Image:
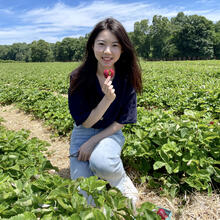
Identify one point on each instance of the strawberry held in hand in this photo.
(109, 73)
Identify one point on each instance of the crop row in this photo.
(168, 85)
(53, 110)
(43, 76)
(176, 152)
(29, 191)
(175, 142)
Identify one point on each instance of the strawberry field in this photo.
(174, 145)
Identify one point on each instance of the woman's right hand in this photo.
(108, 89)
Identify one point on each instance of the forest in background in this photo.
(184, 37)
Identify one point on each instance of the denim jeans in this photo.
(104, 162)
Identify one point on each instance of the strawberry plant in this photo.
(178, 152)
(175, 141)
(28, 191)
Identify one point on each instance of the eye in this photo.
(115, 45)
(100, 44)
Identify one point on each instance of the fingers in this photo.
(113, 91)
(83, 156)
(108, 87)
(108, 79)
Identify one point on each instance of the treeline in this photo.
(182, 37)
(70, 49)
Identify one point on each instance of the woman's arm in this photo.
(86, 149)
(97, 113)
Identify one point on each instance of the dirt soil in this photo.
(58, 151)
(190, 206)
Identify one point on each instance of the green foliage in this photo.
(217, 44)
(178, 152)
(141, 39)
(181, 85)
(41, 51)
(43, 105)
(70, 49)
(160, 33)
(28, 191)
(175, 142)
(194, 38)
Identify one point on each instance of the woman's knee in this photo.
(106, 167)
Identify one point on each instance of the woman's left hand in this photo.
(85, 150)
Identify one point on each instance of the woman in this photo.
(101, 106)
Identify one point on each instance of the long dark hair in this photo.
(127, 65)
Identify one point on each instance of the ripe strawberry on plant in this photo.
(109, 72)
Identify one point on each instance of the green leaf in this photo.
(3, 206)
(168, 168)
(158, 164)
(64, 205)
(87, 215)
(146, 205)
(98, 214)
(25, 215)
(24, 201)
(75, 216)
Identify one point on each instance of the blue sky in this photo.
(52, 20)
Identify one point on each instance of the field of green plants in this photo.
(174, 145)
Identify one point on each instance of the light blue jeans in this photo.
(104, 162)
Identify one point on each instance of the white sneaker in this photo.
(129, 190)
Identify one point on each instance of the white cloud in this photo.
(55, 23)
(213, 15)
(85, 15)
(5, 11)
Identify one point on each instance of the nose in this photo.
(107, 49)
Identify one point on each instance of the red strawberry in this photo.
(162, 213)
(112, 73)
(109, 73)
(211, 122)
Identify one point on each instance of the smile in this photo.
(107, 59)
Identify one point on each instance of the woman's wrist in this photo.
(93, 140)
(98, 112)
(108, 100)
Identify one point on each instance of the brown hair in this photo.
(127, 65)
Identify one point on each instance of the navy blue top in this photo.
(122, 110)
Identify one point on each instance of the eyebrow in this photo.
(112, 42)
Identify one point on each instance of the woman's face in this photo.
(107, 49)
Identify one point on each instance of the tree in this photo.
(4, 49)
(70, 49)
(160, 32)
(140, 38)
(193, 36)
(217, 40)
(217, 26)
(80, 47)
(41, 51)
(18, 51)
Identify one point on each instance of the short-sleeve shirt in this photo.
(122, 110)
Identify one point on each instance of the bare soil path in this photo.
(58, 151)
(196, 205)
